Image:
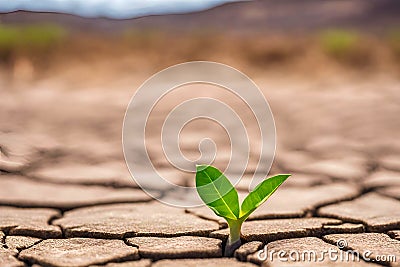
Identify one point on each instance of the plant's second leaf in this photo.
(261, 193)
(217, 192)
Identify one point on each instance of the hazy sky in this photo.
(110, 8)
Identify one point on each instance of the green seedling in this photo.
(221, 197)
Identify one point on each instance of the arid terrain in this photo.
(333, 85)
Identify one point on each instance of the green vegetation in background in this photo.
(347, 47)
(394, 42)
(29, 38)
(339, 44)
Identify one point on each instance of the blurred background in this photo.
(329, 69)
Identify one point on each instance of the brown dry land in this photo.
(67, 199)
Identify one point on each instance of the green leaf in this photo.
(260, 194)
(217, 192)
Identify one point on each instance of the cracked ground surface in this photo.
(67, 199)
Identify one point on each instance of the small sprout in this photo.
(221, 197)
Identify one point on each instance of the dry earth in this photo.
(67, 198)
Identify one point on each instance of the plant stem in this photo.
(234, 230)
(234, 241)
